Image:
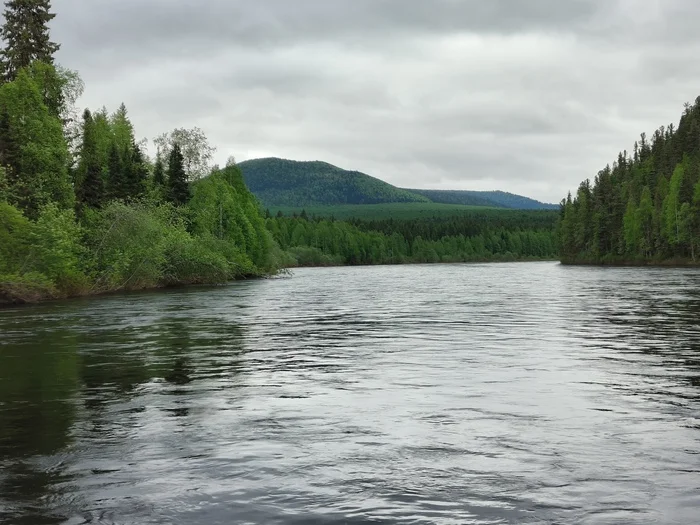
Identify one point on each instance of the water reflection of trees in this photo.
(62, 387)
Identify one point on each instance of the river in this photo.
(446, 394)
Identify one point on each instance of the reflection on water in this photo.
(513, 393)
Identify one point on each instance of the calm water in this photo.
(514, 393)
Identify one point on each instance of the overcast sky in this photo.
(527, 96)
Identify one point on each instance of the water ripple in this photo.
(503, 393)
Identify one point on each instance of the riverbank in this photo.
(631, 263)
(24, 292)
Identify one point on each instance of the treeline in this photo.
(83, 209)
(319, 242)
(643, 209)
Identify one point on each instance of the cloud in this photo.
(530, 97)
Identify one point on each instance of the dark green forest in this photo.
(498, 199)
(645, 208)
(279, 182)
(473, 237)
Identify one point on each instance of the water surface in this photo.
(502, 393)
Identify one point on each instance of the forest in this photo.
(468, 238)
(83, 209)
(645, 208)
(281, 182)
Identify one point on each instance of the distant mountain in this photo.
(294, 184)
(279, 182)
(498, 199)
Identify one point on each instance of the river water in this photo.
(447, 394)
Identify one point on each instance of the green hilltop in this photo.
(281, 183)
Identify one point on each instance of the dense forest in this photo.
(498, 199)
(645, 208)
(83, 209)
(279, 182)
(466, 238)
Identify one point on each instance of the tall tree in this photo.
(90, 186)
(159, 173)
(26, 36)
(136, 173)
(32, 148)
(178, 188)
(116, 174)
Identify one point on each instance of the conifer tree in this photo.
(90, 187)
(178, 188)
(159, 173)
(26, 36)
(136, 173)
(116, 178)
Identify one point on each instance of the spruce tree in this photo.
(26, 36)
(90, 187)
(159, 173)
(178, 188)
(136, 173)
(116, 177)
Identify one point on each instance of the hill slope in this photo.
(279, 182)
(499, 199)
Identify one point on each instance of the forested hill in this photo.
(279, 182)
(287, 183)
(497, 199)
(645, 208)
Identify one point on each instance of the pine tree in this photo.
(90, 188)
(116, 176)
(178, 188)
(26, 36)
(159, 173)
(136, 173)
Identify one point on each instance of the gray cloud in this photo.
(530, 97)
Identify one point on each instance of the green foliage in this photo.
(32, 148)
(178, 188)
(126, 235)
(642, 209)
(431, 240)
(90, 186)
(56, 249)
(15, 231)
(223, 208)
(278, 182)
(37, 259)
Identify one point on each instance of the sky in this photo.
(530, 97)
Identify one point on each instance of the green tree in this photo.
(32, 148)
(116, 175)
(645, 220)
(178, 188)
(90, 187)
(136, 173)
(633, 228)
(26, 36)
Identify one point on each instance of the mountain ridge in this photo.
(291, 183)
